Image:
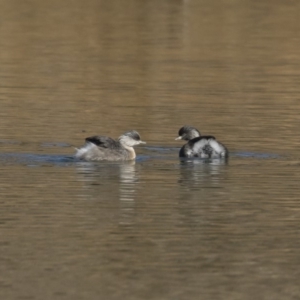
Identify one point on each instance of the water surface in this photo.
(159, 227)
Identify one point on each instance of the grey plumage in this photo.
(99, 148)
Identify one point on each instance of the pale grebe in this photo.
(106, 148)
(203, 146)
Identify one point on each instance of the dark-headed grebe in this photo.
(203, 146)
(106, 148)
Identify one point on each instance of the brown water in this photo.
(156, 228)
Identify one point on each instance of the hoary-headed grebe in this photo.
(105, 148)
(203, 146)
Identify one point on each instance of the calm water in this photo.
(156, 228)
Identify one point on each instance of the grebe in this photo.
(99, 148)
(203, 146)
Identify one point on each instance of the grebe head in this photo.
(130, 139)
(188, 133)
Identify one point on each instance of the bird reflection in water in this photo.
(128, 180)
(199, 173)
(111, 183)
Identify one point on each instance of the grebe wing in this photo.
(102, 141)
(200, 142)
